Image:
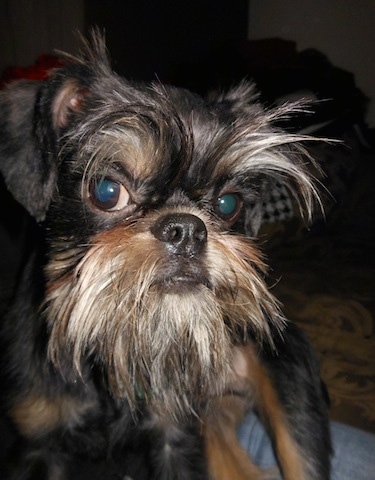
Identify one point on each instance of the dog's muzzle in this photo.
(184, 239)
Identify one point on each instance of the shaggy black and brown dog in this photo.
(142, 330)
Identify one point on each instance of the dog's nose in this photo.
(183, 233)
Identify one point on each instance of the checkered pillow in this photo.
(278, 205)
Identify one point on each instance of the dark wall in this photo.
(181, 42)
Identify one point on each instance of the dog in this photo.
(142, 330)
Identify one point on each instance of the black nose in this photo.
(183, 233)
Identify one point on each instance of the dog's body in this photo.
(142, 330)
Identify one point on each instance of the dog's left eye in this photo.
(228, 207)
(109, 195)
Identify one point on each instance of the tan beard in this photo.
(170, 347)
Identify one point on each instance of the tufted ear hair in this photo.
(28, 174)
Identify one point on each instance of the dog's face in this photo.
(151, 198)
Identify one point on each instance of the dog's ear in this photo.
(28, 174)
(72, 84)
(67, 102)
(34, 115)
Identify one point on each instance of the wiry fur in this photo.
(122, 273)
(143, 316)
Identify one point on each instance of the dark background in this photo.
(186, 42)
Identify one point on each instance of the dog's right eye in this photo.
(109, 195)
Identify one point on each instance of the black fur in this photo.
(45, 145)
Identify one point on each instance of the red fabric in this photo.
(38, 71)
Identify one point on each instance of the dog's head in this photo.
(151, 198)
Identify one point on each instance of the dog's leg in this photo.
(37, 415)
(302, 450)
(289, 455)
(286, 389)
(226, 458)
(46, 423)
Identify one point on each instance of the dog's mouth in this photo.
(181, 279)
(185, 281)
(179, 283)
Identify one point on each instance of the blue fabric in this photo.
(354, 450)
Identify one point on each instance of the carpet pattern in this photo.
(325, 280)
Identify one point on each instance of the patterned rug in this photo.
(326, 282)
